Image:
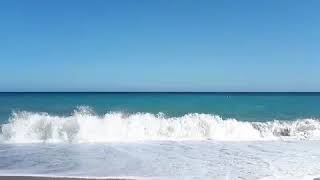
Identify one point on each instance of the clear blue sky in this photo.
(160, 45)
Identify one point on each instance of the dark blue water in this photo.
(242, 106)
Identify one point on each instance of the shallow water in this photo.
(165, 159)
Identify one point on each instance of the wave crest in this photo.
(84, 126)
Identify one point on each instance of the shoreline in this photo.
(26, 177)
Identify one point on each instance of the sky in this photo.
(160, 45)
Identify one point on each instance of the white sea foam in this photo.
(84, 126)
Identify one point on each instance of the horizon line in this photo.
(160, 92)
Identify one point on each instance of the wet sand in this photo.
(56, 178)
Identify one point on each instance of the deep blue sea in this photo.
(161, 135)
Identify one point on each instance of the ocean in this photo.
(161, 135)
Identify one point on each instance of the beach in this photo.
(159, 90)
(55, 178)
(233, 136)
(165, 160)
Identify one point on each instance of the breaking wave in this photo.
(84, 126)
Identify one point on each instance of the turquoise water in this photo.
(241, 106)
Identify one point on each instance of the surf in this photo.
(85, 126)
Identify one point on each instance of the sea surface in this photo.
(161, 135)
